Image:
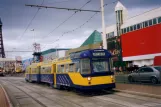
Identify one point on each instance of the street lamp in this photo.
(33, 34)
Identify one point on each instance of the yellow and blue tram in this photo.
(33, 72)
(83, 70)
(47, 72)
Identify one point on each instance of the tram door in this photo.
(30, 74)
(54, 74)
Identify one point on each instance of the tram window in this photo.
(159, 20)
(150, 22)
(58, 68)
(62, 68)
(67, 67)
(100, 66)
(77, 67)
(71, 67)
(48, 70)
(154, 21)
(85, 66)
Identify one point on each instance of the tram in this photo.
(85, 70)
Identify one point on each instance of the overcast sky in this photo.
(16, 16)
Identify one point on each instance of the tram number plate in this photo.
(99, 54)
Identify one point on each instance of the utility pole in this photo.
(103, 26)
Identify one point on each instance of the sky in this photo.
(18, 34)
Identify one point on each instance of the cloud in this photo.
(16, 17)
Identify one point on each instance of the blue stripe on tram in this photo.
(35, 77)
(63, 79)
(47, 78)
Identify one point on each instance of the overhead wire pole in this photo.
(103, 26)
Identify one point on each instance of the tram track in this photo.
(27, 95)
(70, 98)
(58, 99)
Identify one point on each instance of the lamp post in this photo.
(33, 35)
(103, 26)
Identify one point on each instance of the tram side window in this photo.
(67, 67)
(159, 20)
(85, 66)
(62, 68)
(134, 27)
(71, 67)
(33, 70)
(58, 68)
(47, 69)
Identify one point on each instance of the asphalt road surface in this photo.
(23, 94)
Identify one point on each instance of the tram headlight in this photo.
(89, 78)
(111, 77)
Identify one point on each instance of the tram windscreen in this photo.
(100, 65)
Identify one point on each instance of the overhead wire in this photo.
(65, 20)
(19, 38)
(30, 22)
(80, 25)
(55, 2)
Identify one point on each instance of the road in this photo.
(23, 94)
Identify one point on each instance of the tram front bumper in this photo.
(96, 87)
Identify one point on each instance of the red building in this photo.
(140, 35)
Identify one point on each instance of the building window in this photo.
(128, 29)
(124, 30)
(111, 34)
(159, 20)
(146, 24)
(150, 22)
(138, 26)
(134, 27)
(154, 21)
(131, 28)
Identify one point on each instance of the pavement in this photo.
(140, 89)
(4, 100)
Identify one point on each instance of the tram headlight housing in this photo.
(89, 78)
(111, 77)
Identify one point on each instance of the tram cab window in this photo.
(100, 65)
(85, 66)
(77, 66)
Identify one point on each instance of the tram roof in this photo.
(91, 53)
